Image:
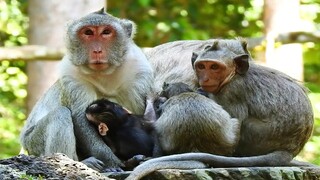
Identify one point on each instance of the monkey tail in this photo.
(146, 168)
(204, 160)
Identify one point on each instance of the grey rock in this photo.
(251, 173)
(59, 166)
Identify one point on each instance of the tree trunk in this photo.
(282, 16)
(47, 27)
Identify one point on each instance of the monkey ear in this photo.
(129, 27)
(194, 58)
(242, 63)
(101, 11)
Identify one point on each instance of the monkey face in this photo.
(96, 39)
(98, 42)
(212, 74)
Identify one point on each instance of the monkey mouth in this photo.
(99, 66)
(210, 88)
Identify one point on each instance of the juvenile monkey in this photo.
(102, 61)
(126, 134)
(186, 108)
(274, 109)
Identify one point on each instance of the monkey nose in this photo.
(97, 52)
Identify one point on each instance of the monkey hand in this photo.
(133, 162)
(202, 92)
(112, 170)
(94, 163)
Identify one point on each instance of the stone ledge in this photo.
(59, 166)
(251, 173)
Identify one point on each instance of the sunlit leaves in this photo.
(13, 26)
(12, 106)
(13, 23)
(165, 20)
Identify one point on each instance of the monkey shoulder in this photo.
(265, 93)
(135, 56)
(271, 82)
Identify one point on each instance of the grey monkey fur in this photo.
(190, 122)
(57, 122)
(276, 114)
(183, 116)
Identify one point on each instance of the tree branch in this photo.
(43, 53)
(31, 53)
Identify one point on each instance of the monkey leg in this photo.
(52, 134)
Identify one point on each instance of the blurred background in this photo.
(283, 34)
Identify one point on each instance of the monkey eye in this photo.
(214, 66)
(106, 31)
(88, 32)
(201, 66)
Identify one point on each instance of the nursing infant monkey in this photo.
(275, 112)
(125, 133)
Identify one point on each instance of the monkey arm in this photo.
(77, 96)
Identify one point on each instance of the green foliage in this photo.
(12, 106)
(13, 23)
(29, 177)
(13, 80)
(312, 64)
(161, 21)
(311, 150)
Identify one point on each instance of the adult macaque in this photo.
(102, 61)
(276, 114)
(274, 108)
(126, 134)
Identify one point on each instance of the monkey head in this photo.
(216, 65)
(173, 89)
(106, 115)
(98, 42)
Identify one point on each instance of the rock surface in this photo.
(59, 166)
(252, 173)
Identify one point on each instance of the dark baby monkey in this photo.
(126, 134)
